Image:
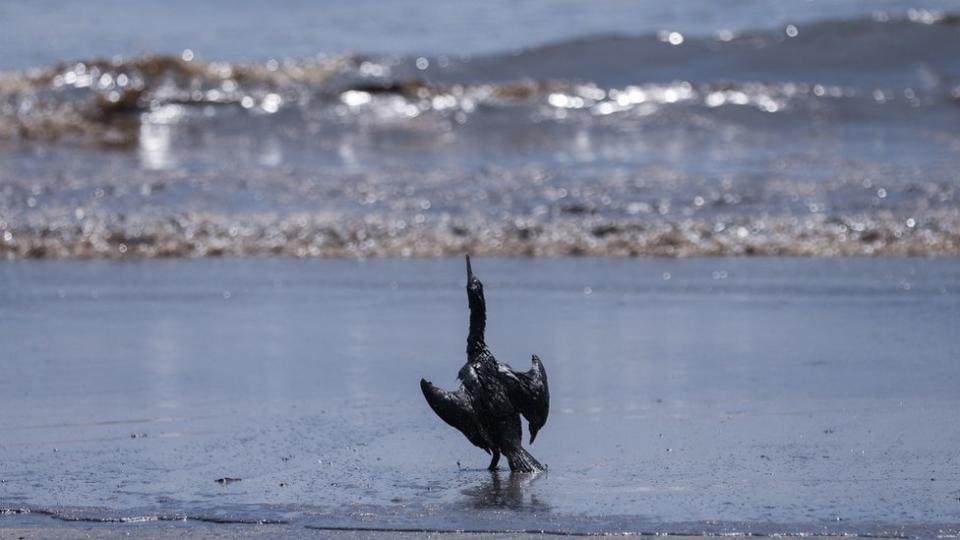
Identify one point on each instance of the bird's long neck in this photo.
(478, 323)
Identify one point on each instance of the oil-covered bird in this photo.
(492, 397)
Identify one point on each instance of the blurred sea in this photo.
(507, 128)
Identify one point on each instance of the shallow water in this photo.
(697, 396)
(773, 128)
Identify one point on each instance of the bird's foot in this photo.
(521, 461)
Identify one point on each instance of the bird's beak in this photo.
(533, 436)
(469, 270)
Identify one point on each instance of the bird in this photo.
(491, 397)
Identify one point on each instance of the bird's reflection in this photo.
(512, 491)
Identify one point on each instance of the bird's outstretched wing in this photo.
(529, 394)
(454, 408)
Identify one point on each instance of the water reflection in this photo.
(154, 146)
(506, 491)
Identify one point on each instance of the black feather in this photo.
(487, 406)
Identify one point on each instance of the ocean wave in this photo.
(885, 51)
(830, 70)
(833, 138)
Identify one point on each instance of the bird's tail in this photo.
(521, 461)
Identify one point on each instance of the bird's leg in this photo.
(494, 461)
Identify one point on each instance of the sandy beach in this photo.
(232, 240)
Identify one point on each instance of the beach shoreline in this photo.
(232, 243)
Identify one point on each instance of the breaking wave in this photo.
(832, 68)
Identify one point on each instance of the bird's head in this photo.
(474, 287)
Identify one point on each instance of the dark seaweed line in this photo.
(549, 532)
(544, 532)
(52, 514)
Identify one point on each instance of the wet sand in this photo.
(760, 396)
